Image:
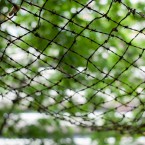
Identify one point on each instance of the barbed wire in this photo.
(108, 95)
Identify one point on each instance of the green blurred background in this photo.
(73, 72)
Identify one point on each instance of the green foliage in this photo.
(71, 63)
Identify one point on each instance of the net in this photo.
(78, 62)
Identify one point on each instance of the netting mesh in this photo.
(83, 65)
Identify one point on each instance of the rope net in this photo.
(76, 62)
